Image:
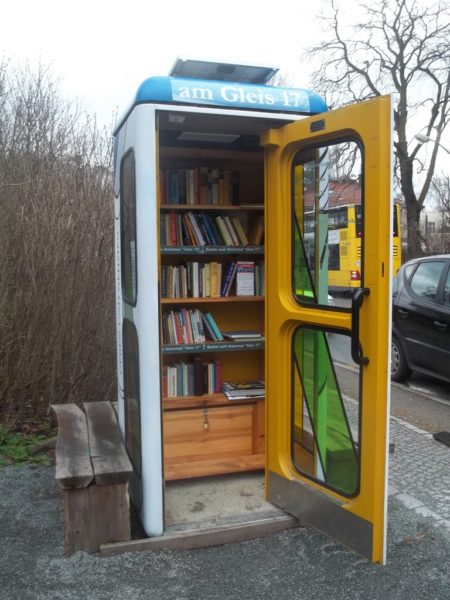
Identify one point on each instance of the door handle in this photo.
(403, 313)
(357, 352)
(440, 326)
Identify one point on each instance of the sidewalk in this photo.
(296, 564)
(419, 473)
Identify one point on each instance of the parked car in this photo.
(421, 318)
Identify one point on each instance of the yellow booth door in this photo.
(327, 357)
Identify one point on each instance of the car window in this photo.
(425, 280)
(395, 287)
(446, 299)
(408, 270)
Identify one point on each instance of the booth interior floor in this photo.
(217, 501)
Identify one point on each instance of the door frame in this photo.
(365, 514)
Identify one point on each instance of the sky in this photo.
(102, 50)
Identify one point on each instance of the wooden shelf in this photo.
(212, 207)
(167, 250)
(186, 402)
(214, 466)
(212, 347)
(210, 434)
(212, 300)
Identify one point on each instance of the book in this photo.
(173, 186)
(241, 390)
(217, 376)
(203, 184)
(256, 233)
(235, 184)
(224, 231)
(228, 278)
(198, 376)
(243, 335)
(210, 331)
(215, 176)
(240, 231)
(213, 324)
(215, 230)
(245, 278)
(197, 231)
(232, 232)
(216, 271)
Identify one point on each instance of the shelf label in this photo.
(213, 347)
(212, 249)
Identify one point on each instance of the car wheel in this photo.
(399, 366)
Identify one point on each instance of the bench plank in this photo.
(109, 458)
(73, 464)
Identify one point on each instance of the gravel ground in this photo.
(298, 563)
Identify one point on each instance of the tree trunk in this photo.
(413, 223)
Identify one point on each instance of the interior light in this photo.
(177, 119)
(201, 136)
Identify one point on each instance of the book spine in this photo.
(203, 175)
(224, 231)
(215, 280)
(173, 192)
(196, 228)
(233, 234)
(229, 278)
(240, 231)
(164, 381)
(214, 326)
(190, 379)
(236, 182)
(245, 278)
(209, 329)
(216, 233)
(198, 376)
(209, 230)
(217, 377)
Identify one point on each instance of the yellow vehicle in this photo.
(344, 245)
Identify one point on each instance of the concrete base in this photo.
(212, 511)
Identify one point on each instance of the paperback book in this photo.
(240, 390)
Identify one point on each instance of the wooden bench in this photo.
(93, 470)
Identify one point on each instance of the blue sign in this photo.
(229, 94)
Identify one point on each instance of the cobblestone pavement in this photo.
(419, 471)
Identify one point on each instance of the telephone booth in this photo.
(249, 398)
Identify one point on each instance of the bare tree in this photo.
(56, 242)
(399, 47)
(436, 224)
(441, 187)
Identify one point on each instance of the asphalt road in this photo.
(293, 565)
(422, 401)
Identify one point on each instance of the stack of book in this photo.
(243, 390)
(246, 276)
(192, 279)
(243, 336)
(202, 185)
(185, 326)
(191, 379)
(201, 229)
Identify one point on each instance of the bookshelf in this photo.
(205, 433)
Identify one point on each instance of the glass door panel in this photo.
(327, 222)
(325, 432)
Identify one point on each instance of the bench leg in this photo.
(95, 515)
